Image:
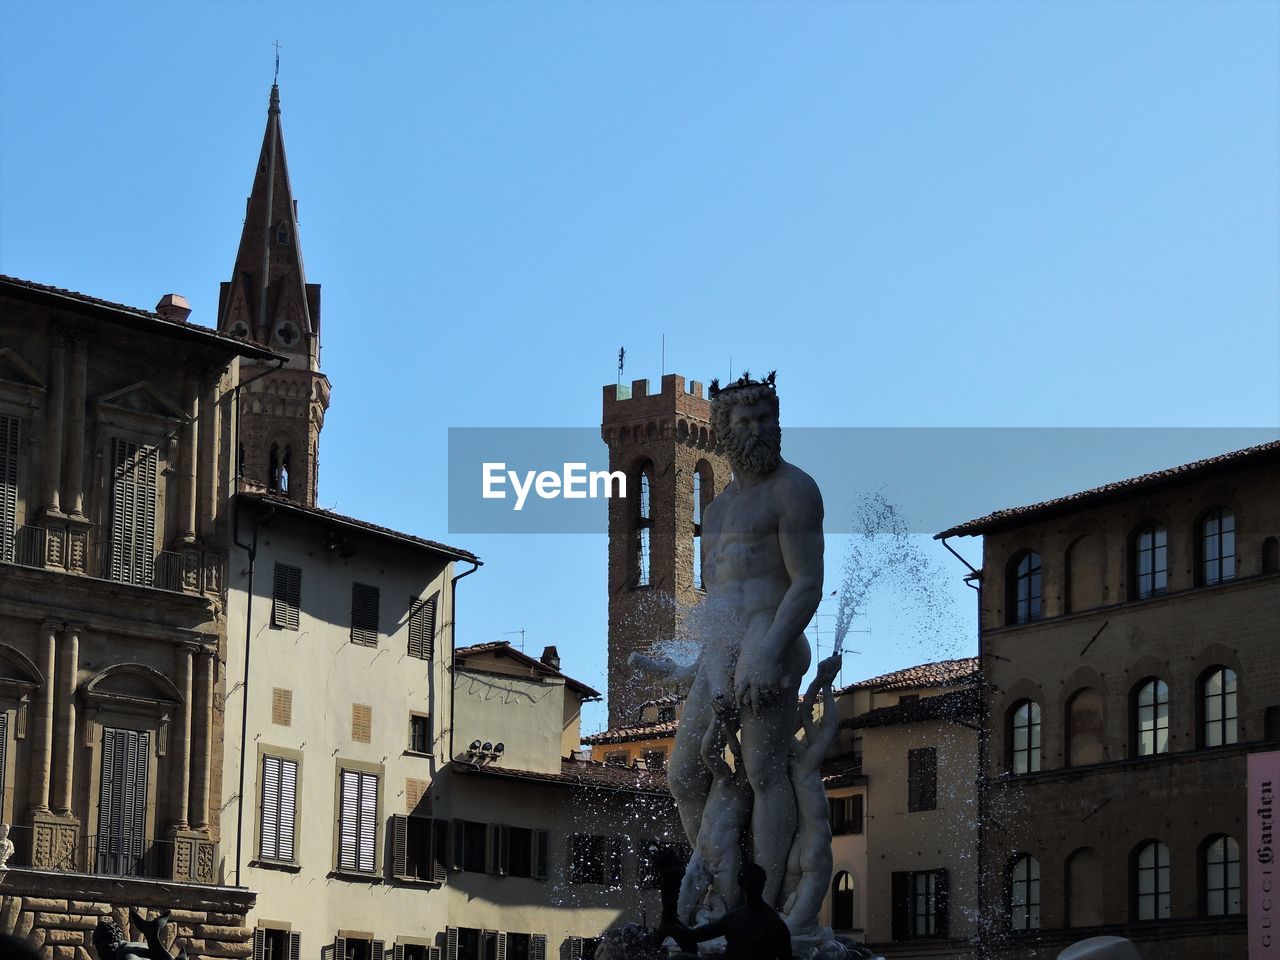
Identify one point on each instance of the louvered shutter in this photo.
(364, 614)
(288, 808)
(377, 950)
(286, 596)
(451, 943)
(504, 849)
(433, 953)
(397, 952)
(368, 821)
(269, 826)
(8, 486)
(136, 801)
(133, 512)
(4, 747)
(855, 821)
(295, 946)
(575, 948)
(488, 945)
(942, 903)
(541, 851)
(538, 947)
(502, 946)
(108, 800)
(494, 845)
(339, 948)
(349, 820)
(440, 850)
(399, 849)
(259, 944)
(422, 627)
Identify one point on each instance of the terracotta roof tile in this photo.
(938, 674)
(634, 731)
(1015, 516)
(957, 705)
(583, 773)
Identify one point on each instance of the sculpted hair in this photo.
(743, 390)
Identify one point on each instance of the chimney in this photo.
(174, 306)
(551, 657)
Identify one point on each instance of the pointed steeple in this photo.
(269, 301)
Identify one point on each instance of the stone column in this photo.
(65, 719)
(190, 451)
(202, 738)
(180, 743)
(42, 734)
(75, 428)
(208, 488)
(53, 425)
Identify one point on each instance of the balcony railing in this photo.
(51, 548)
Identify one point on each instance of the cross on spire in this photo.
(276, 78)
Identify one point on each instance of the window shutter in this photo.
(269, 820)
(855, 825)
(504, 849)
(942, 903)
(451, 943)
(286, 596)
(422, 627)
(139, 744)
(575, 948)
(288, 808)
(4, 747)
(295, 946)
(433, 953)
(399, 847)
(930, 779)
(502, 946)
(614, 848)
(459, 845)
(133, 512)
(494, 838)
(364, 614)
(901, 894)
(378, 950)
(340, 948)
(440, 849)
(8, 486)
(368, 821)
(397, 952)
(538, 947)
(541, 850)
(348, 820)
(489, 945)
(259, 944)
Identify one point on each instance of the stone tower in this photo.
(268, 300)
(664, 444)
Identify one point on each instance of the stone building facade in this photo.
(115, 471)
(1127, 640)
(665, 445)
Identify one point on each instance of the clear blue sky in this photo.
(953, 214)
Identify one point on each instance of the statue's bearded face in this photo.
(747, 427)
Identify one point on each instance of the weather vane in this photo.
(276, 79)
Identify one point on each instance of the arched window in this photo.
(1151, 717)
(1024, 737)
(1220, 877)
(1218, 708)
(1151, 881)
(844, 906)
(273, 468)
(1024, 893)
(1148, 561)
(1085, 742)
(642, 557)
(1271, 555)
(282, 482)
(1023, 595)
(1217, 546)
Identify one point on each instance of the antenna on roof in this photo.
(276, 78)
(622, 356)
(664, 354)
(513, 632)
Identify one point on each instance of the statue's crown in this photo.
(742, 383)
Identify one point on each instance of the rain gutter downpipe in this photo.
(453, 685)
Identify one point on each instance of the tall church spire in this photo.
(268, 300)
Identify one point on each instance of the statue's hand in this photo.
(756, 689)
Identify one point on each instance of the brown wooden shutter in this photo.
(286, 596)
(541, 855)
(422, 626)
(364, 614)
(9, 456)
(362, 722)
(399, 847)
(282, 707)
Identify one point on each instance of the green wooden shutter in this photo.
(364, 614)
(440, 850)
(399, 847)
(286, 596)
(422, 627)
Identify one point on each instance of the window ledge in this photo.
(417, 882)
(418, 753)
(283, 865)
(355, 877)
